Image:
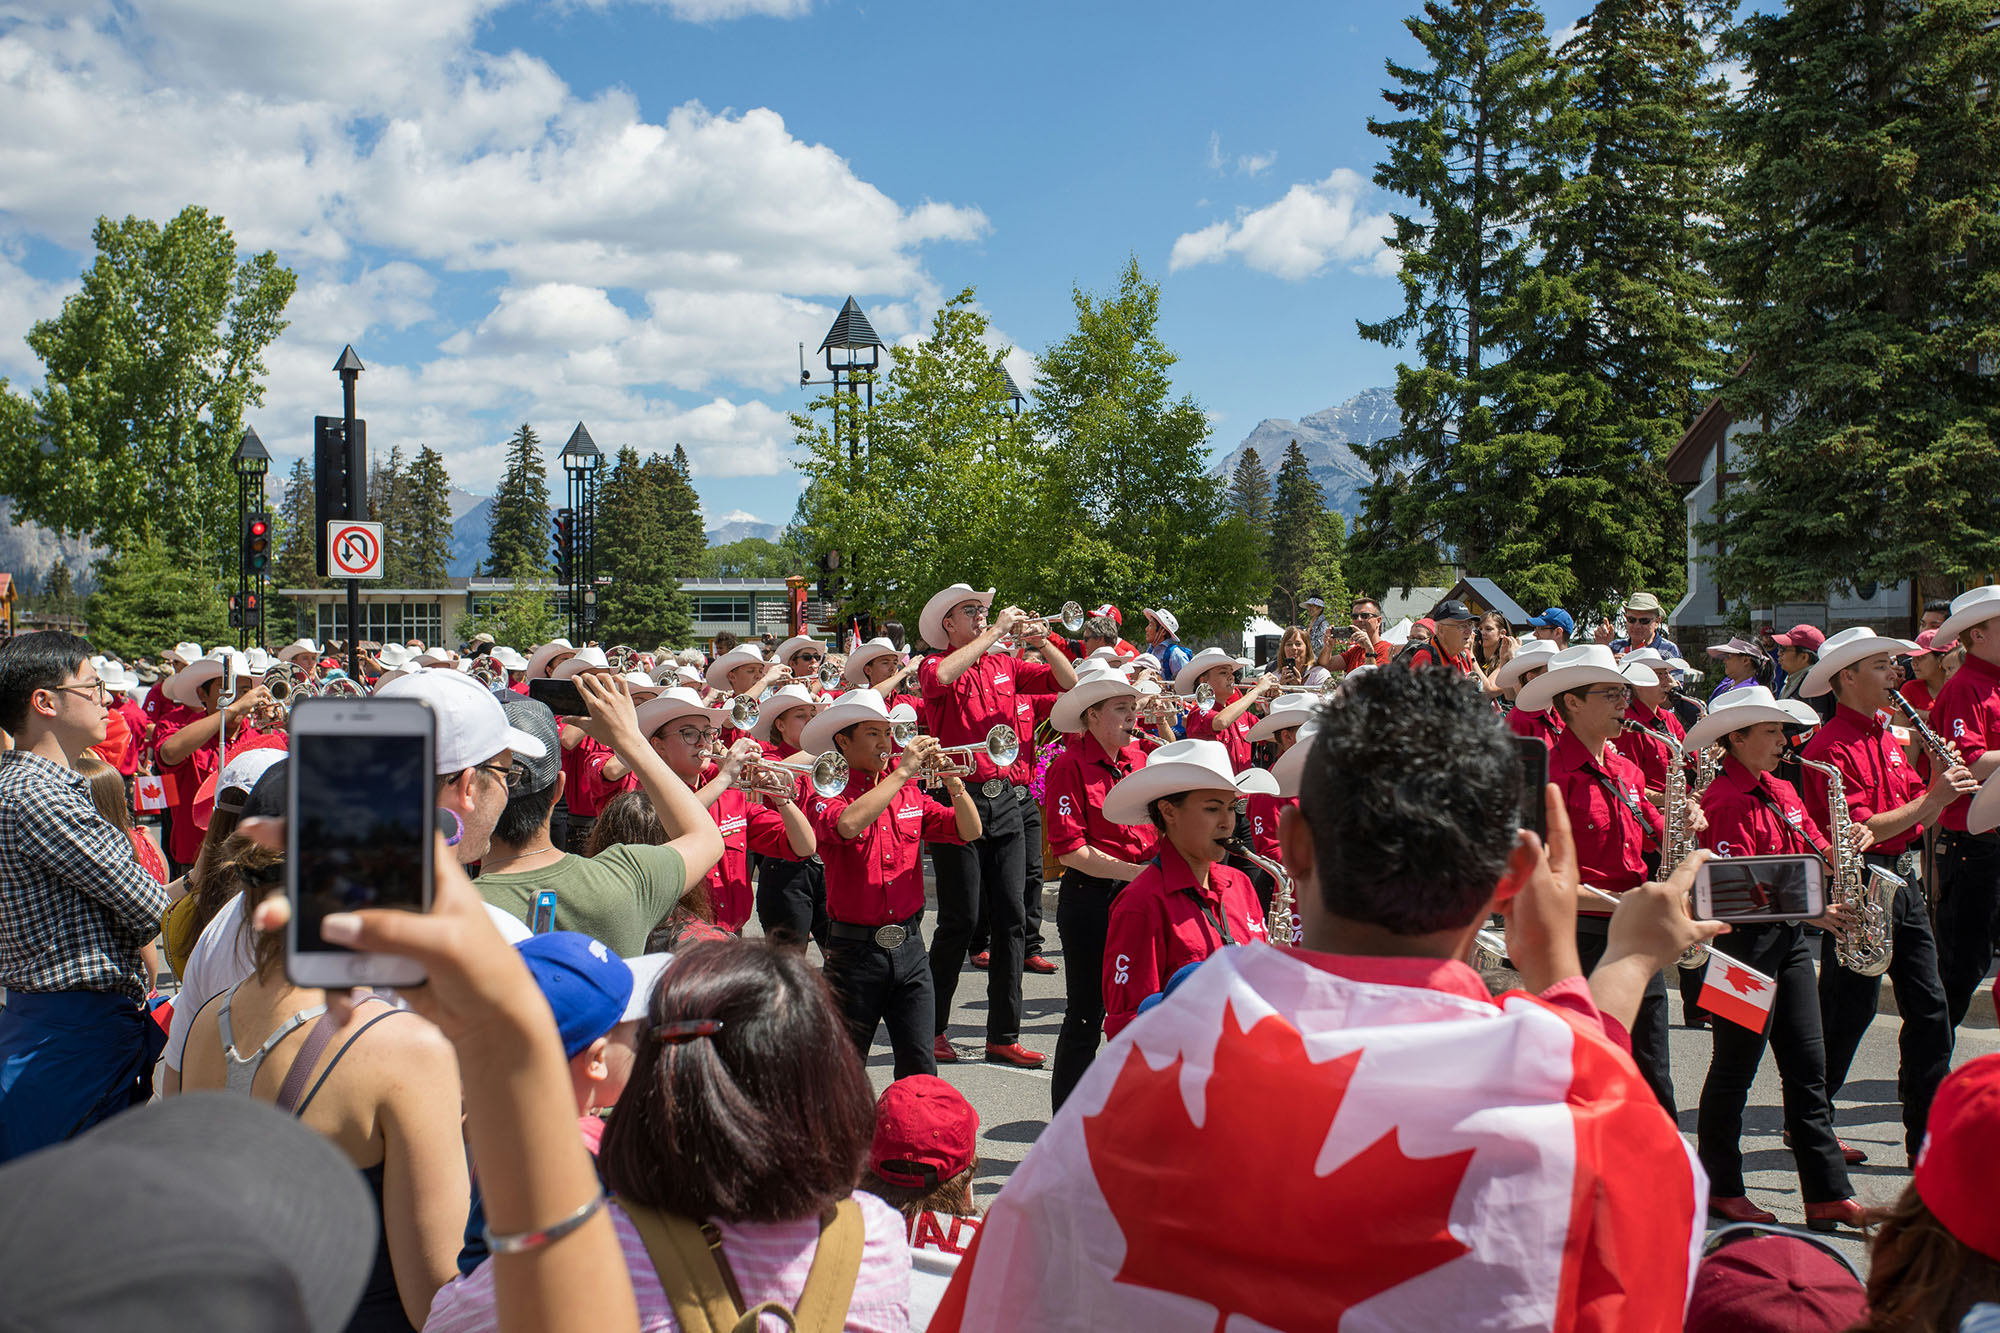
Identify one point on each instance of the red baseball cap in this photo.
(922, 1121)
(1957, 1174)
(1924, 645)
(1427, 622)
(1803, 637)
(1775, 1283)
(1109, 610)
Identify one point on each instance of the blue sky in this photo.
(631, 213)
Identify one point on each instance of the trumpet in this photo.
(342, 687)
(1322, 689)
(829, 675)
(1001, 746)
(1159, 707)
(743, 712)
(776, 777)
(486, 673)
(623, 657)
(285, 682)
(1070, 618)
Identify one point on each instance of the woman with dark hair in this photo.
(195, 906)
(748, 1114)
(1493, 643)
(1294, 657)
(628, 819)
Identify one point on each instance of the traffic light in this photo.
(235, 613)
(253, 611)
(256, 545)
(565, 544)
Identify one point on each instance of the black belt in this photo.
(889, 937)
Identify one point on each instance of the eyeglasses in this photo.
(803, 655)
(94, 688)
(1642, 620)
(514, 774)
(1615, 693)
(1367, 615)
(690, 736)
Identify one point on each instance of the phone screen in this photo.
(362, 802)
(1534, 776)
(561, 697)
(1760, 888)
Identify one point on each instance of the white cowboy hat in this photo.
(796, 642)
(507, 659)
(1666, 668)
(258, 661)
(1173, 769)
(1983, 815)
(1205, 660)
(1969, 608)
(930, 625)
(1288, 710)
(673, 705)
(1094, 684)
(543, 658)
(1843, 650)
(1738, 647)
(437, 657)
(185, 653)
(1534, 653)
(1579, 667)
(1746, 706)
(1165, 619)
(116, 677)
(743, 654)
(394, 655)
(298, 648)
(784, 701)
(1289, 769)
(855, 672)
(183, 685)
(851, 708)
(583, 659)
(1110, 654)
(644, 687)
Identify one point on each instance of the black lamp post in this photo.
(1013, 391)
(853, 379)
(581, 459)
(252, 462)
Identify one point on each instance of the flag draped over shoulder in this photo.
(1277, 1146)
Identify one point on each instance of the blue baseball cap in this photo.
(586, 984)
(1556, 616)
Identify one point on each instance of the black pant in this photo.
(874, 985)
(1847, 1006)
(1968, 871)
(576, 833)
(989, 868)
(1031, 933)
(1649, 1030)
(791, 897)
(1083, 915)
(1781, 952)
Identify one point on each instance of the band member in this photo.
(1366, 646)
(301, 653)
(1554, 625)
(1186, 903)
(791, 890)
(1649, 710)
(515, 665)
(871, 837)
(878, 665)
(1885, 795)
(1279, 729)
(1229, 718)
(1611, 820)
(187, 751)
(967, 692)
(1752, 812)
(741, 673)
(1098, 857)
(1527, 664)
(802, 655)
(1967, 714)
(542, 661)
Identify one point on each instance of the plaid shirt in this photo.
(75, 905)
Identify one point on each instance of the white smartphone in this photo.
(1760, 888)
(361, 818)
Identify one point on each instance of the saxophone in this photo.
(1868, 893)
(1679, 842)
(1280, 923)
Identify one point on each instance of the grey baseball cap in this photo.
(525, 714)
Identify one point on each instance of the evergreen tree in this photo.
(388, 504)
(148, 596)
(427, 525)
(1250, 490)
(1295, 535)
(296, 564)
(58, 595)
(1325, 574)
(520, 528)
(1864, 263)
(686, 537)
(643, 604)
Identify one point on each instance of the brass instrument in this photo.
(1320, 690)
(773, 777)
(487, 673)
(1281, 923)
(1679, 842)
(284, 682)
(1071, 619)
(743, 712)
(622, 657)
(1489, 951)
(1160, 708)
(1868, 893)
(829, 675)
(1001, 746)
(342, 687)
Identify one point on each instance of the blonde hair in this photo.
(107, 790)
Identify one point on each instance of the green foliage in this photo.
(1325, 574)
(1863, 261)
(148, 598)
(1250, 490)
(522, 617)
(1295, 537)
(751, 558)
(642, 525)
(426, 521)
(58, 595)
(520, 535)
(147, 373)
(295, 565)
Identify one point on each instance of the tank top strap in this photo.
(345, 1046)
(242, 1070)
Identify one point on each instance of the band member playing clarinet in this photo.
(1752, 812)
(1967, 714)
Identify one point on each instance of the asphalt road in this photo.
(1013, 1104)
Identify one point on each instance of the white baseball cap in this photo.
(472, 727)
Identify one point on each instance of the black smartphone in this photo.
(563, 698)
(1534, 754)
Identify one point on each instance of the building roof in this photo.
(1484, 595)
(1684, 461)
(850, 329)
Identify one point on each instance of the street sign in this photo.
(353, 550)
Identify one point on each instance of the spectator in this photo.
(1294, 659)
(747, 1113)
(1743, 663)
(1493, 643)
(1161, 645)
(76, 910)
(195, 908)
(107, 793)
(1754, 1281)
(1365, 645)
(1935, 614)
(629, 820)
(1645, 627)
(925, 1152)
(1555, 625)
(1798, 649)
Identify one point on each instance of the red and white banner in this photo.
(149, 792)
(1280, 1147)
(1734, 990)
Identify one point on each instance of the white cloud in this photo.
(1312, 226)
(23, 300)
(735, 516)
(1256, 164)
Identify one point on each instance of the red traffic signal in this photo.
(256, 544)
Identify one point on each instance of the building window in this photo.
(722, 610)
(385, 622)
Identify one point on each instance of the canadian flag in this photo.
(1277, 1146)
(149, 793)
(1734, 990)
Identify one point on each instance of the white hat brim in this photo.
(539, 661)
(931, 623)
(1721, 722)
(717, 675)
(1819, 680)
(1128, 798)
(850, 709)
(1540, 692)
(773, 708)
(1984, 609)
(1509, 675)
(1072, 704)
(656, 713)
(1283, 716)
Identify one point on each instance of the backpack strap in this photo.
(702, 1291)
(836, 1264)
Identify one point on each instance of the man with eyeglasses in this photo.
(1367, 644)
(803, 655)
(1645, 627)
(76, 908)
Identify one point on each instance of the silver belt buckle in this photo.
(890, 936)
(992, 787)
(1908, 864)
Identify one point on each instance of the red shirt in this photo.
(1162, 921)
(1740, 824)
(1967, 713)
(1917, 694)
(1030, 709)
(584, 797)
(165, 717)
(1264, 811)
(136, 723)
(1235, 737)
(746, 827)
(118, 748)
(185, 778)
(147, 855)
(1076, 783)
(1358, 652)
(1431, 655)
(592, 787)
(877, 876)
(1611, 833)
(1875, 774)
(1543, 724)
(518, 686)
(982, 698)
(1650, 753)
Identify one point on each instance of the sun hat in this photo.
(483, 637)
(543, 658)
(1738, 646)
(850, 709)
(183, 686)
(1957, 1174)
(930, 625)
(1315, 600)
(1110, 655)
(671, 705)
(1094, 684)
(1983, 815)
(297, 649)
(743, 654)
(1969, 608)
(393, 656)
(1165, 619)
(1555, 616)
(472, 726)
(1842, 651)
(587, 986)
(1289, 768)
(1287, 710)
(926, 1132)
(1644, 601)
(644, 687)
(537, 720)
(232, 786)
(1176, 768)
(1746, 706)
(1805, 638)
(591, 658)
(784, 701)
(1531, 654)
(795, 643)
(1578, 667)
(508, 659)
(1205, 660)
(855, 672)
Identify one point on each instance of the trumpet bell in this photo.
(1072, 617)
(829, 774)
(743, 712)
(829, 676)
(1003, 747)
(902, 733)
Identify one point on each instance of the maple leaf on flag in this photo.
(1738, 980)
(1230, 1213)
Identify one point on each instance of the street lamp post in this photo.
(252, 462)
(581, 459)
(853, 382)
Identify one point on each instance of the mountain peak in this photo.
(1326, 438)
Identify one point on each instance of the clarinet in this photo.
(1941, 749)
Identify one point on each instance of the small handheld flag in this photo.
(1734, 990)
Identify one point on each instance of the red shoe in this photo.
(1034, 962)
(982, 958)
(1014, 1053)
(1830, 1216)
(1740, 1209)
(1852, 1156)
(942, 1049)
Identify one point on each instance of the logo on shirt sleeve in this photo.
(1064, 808)
(1122, 969)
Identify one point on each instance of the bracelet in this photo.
(534, 1240)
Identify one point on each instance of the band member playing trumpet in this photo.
(1753, 812)
(871, 838)
(187, 750)
(966, 693)
(879, 666)
(742, 673)
(802, 656)
(1229, 720)
(791, 890)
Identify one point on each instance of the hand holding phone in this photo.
(1534, 755)
(1760, 888)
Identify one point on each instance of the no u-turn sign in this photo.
(353, 550)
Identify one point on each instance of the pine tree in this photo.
(58, 595)
(427, 532)
(642, 605)
(520, 528)
(147, 596)
(1326, 573)
(388, 504)
(1295, 535)
(686, 532)
(1863, 259)
(296, 565)
(1250, 490)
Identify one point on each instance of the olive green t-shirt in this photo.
(617, 896)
